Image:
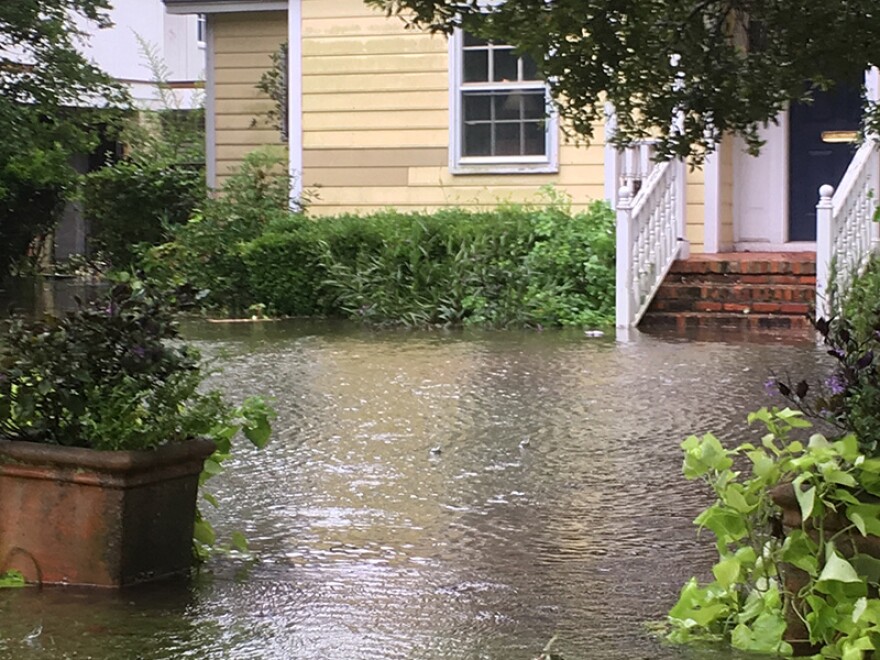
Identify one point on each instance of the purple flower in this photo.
(771, 387)
(836, 384)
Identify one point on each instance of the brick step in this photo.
(730, 279)
(737, 292)
(796, 264)
(686, 321)
(749, 307)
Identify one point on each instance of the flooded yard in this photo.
(439, 495)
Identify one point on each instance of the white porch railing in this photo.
(634, 165)
(846, 233)
(650, 230)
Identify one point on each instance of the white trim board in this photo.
(295, 100)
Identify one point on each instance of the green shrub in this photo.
(517, 265)
(206, 251)
(132, 202)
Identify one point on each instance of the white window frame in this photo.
(202, 30)
(459, 164)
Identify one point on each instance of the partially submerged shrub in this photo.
(516, 265)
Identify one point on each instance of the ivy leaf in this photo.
(239, 542)
(838, 569)
(806, 498)
(866, 517)
(726, 571)
(203, 532)
(859, 609)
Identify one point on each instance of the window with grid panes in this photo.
(502, 106)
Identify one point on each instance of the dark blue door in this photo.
(819, 152)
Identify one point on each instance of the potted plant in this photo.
(797, 519)
(104, 435)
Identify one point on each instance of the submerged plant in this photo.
(815, 585)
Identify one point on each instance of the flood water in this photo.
(554, 508)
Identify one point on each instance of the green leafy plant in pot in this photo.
(105, 438)
(796, 519)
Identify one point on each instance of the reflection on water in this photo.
(555, 506)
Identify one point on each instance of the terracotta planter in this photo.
(795, 579)
(98, 518)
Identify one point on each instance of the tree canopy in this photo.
(686, 71)
(51, 98)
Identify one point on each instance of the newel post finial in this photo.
(826, 192)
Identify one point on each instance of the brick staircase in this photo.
(746, 291)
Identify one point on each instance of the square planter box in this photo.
(98, 518)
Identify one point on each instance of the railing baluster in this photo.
(846, 234)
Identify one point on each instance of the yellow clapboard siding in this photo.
(398, 197)
(375, 84)
(359, 25)
(247, 45)
(366, 139)
(569, 176)
(250, 107)
(251, 24)
(250, 76)
(231, 156)
(227, 122)
(373, 121)
(368, 63)
(256, 135)
(344, 9)
(367, 101)
(238, 91)
(256, 60)
(409, 43)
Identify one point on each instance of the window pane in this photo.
(477, 140)
(477, 107)
(535, 139)
(476, 66)
(507, 142)
(535, 105)
(508, 106)
(471, 40)
(530, 69)
(505, 65)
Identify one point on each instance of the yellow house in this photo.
(382, 116)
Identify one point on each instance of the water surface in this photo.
(555, 506)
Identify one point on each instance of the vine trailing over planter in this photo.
(814, 588)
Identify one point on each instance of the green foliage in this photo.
(273, 83)
(131, 203)
(686, 72)
(849, 398)
(207, 250)
(252, 418)
(134, 201)
(11, 580)
(105, 376)
(48, 112)
(752, 600)
(516, 265)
